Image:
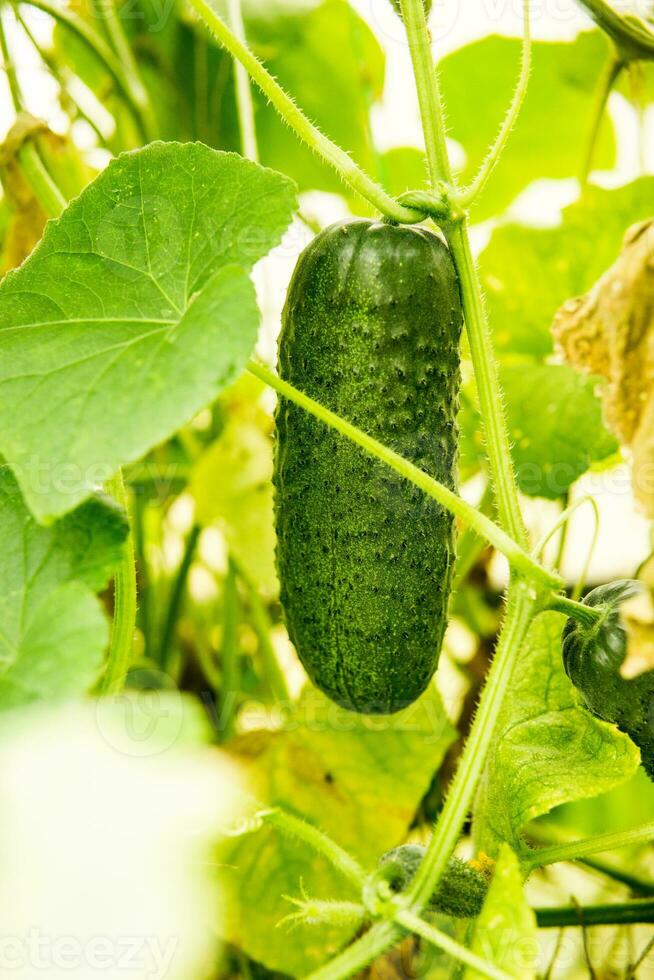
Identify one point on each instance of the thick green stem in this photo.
(244, 103)
(518, 558)
(295, 118)
(574, 610)
(124, 622)
(486, 374)
(521, 606)
(431, 110)
(591, 845)
(432, 935)
(627, 913)
(491, 401)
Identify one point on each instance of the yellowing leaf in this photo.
(505, 932)
(358, 778)
(610, 332)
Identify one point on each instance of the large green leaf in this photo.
(359, 779)
(555, 425)
(528, 272)
(547, 748)
(478, 81)
(52, 628)
(134, 311)
(505, 933)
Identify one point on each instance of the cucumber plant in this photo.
(137, 433)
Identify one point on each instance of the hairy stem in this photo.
(490, 398)
(295, 827)
(124, 622)
(521, 606)
(429, 98)
(518, 558)
(295, 118)
(354, 958)
(496, 150)
(591, 845)
(491, 401)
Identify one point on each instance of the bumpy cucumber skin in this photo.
(461, 891)
(371, 330)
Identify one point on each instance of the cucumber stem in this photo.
(574, 610)
(336, 157)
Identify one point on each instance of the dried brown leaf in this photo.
(610, 332)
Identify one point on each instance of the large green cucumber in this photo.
(370, 329)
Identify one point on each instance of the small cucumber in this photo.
(371, 330)
(593, 656)
(462, 888)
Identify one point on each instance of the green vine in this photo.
(336, 157)
(478, 521)
(591, 845)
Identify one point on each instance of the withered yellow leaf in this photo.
(610, 332)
